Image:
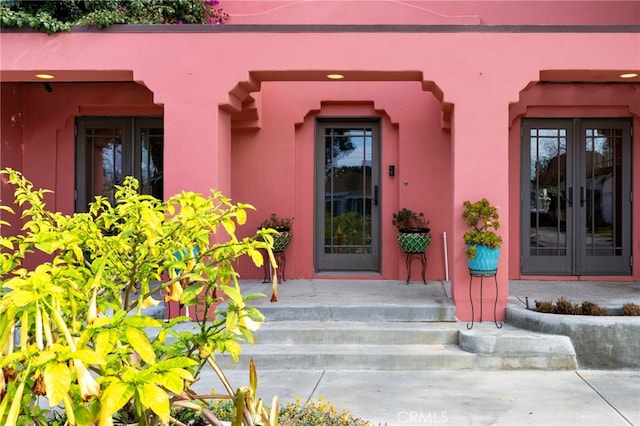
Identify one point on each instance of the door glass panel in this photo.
(109, 149)
(104, 156)
(577, 173)
(151, 143)
(603, 198)
(548, 187)
(347, 194)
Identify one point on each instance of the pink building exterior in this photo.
(531, 104)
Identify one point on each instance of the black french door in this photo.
(576, 202)
(110, 148)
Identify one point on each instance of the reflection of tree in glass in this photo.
(337, 145)
(351, 233)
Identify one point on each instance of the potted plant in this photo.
(283, 235)
(483, 244)
(413, 231)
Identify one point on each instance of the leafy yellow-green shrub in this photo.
(74, 334)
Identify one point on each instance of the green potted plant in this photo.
(483, 244)
(413, 231)
(282, 225)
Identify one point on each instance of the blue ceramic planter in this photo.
(485, 262)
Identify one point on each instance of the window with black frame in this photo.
(110, 148)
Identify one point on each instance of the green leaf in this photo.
(178, 362)
(233, 348)
(139, 321)
(191, 292)
(83, 416)
(43, 358)
(139, 341)
(229, 226)
(169, 380)
(184, 374)
(22, 298)
(156, 399)
(89, 357)
(57, 380)
(4, 242)
(241, 216)
(256, 257)
(232, 321)
(114, 398)
(105, 341)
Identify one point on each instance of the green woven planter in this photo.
(281, 240)
(414, 242)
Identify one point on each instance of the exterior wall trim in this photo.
(328, 28)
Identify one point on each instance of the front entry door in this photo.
(576, 186)
(347, 195)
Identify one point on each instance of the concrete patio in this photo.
(455, 396)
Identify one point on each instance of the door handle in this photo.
(582, 196)
(375, 195)
(570, 197)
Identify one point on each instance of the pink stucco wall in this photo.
(236, 101)
(46, 150)
(273, 167)
(10, 136)
(496, 12)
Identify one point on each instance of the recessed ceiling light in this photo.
(629, 75)
(335, 76)
(45, 76)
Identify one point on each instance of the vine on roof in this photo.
(53, 16)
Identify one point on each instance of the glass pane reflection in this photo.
(603, 165)
(348, 197)
(547, 202)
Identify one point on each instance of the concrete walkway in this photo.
(453, 397)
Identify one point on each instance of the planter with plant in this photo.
(413, 231)
(282, 227)
(483, 244)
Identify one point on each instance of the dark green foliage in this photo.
(278, 223)
(408, 219)
(52, 16)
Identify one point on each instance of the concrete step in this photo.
(356, 332)
(335, 345)
(512, 348)
(436, 312)
(350, 357)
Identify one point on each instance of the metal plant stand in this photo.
(423, 259)
(495, 302)
(281, 260)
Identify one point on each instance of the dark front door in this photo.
(347, 195)
(576, 186)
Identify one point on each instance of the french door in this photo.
(347, 225)
(576, 203)
(110, 148)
